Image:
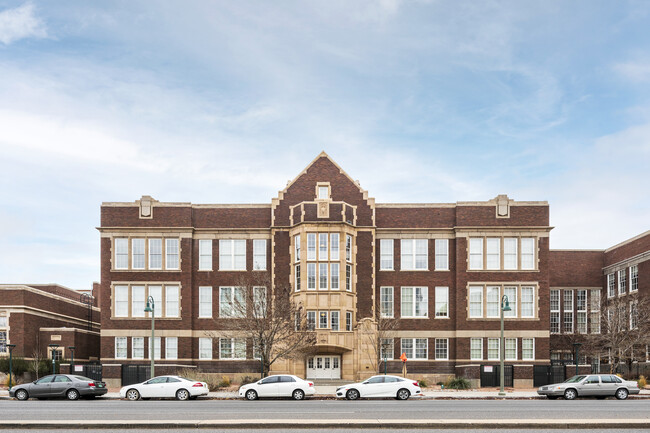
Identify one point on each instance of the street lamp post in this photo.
(385, 347)
(576, 347)
(11, 367)
(72, 348)
(151, 308)
(53, 347)
(505, 306)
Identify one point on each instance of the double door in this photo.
(324, 367)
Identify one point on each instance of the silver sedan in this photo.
(69, 386)
(591, 385)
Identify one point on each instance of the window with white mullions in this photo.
(492, 301)
(555, 311)
(511, 293)
(475, 253)
(311, 246)
(386, 254)
(568, 311)
(137, 252)
(386, 301)
(493, 256)
(205, 348)
(232, 302)
(414, 348)
(348, 248)
(348, 321)
(137, 301)
(259, 302)
(476, 302)
(387, 348)
(172, 301)
(414, 254)
(442, 254)
(155, 253)
(348, 278)
(120, 348)
(322, 276)
(171, 347)
(634, 278)
(296, 245)
(334, 246)
(322, 319)
(137, 348)
(510, 253)
(121, 253)
(414, 302)
(442, 301)
(171, 253)
(493, 349)
(622, 282)
(259, 254)
(527, 253)
(527, 302)
(205, 255)
(611, 285)
(334, 276)
(232, 255)
(442, 349)
(334, 320)
(528, 349)
(311, 276)
(594, 312)
(322, 246)
(476, 349)
(205, 302)
(511, 349)
(232, 348)
(581, 311)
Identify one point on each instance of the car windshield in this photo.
(574, 379)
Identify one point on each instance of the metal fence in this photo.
(490, 375)
(134, 374)
(91, 371)
(547, 374)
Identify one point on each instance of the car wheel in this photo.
(403, 394)
(133, 394)
(298, 394)
(621, 393)
(570, 394)
(72, 394)
(251, 395)
(182, 394)
(352, 394)
(21, 394)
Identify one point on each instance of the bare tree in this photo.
(35, 363)
(377, 336)
(268, 317)
(625, 330)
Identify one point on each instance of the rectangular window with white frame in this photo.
(334, 246)
(259, 254)
(205, 348)
(493, 349)
(137, 253)
(634, 278)
(414, 254)
(527, 253)
(510, 253)
(171, 347)
(634, 315)
(311, 246)
(493, 253)
(311, 320)
(259, 302)
(137, 301)
(567, 305)
(121, 253)
(527, 302)
(172, 301)
(414, 302)
(442, 302)
(232, 254)
(415, 348)
(232, 348)
(296, 248)
(555, 311)
(323, 321)
(322, 246)
(155, 253)
(511, 349)
(511, 293)
(348, 278)
(476, 349)
(121, 301)
(348, 321)
(205, 255)
(622, 282)
(611, 285)
(476, 302)
(594, 312)
(334, 276)
(311, 276)
(334, 320)
(386, 301)
(120, 348)
(528, 349)
(492, 301)
(475, 253)
(442, 254)
(348, 248)
(386, 254)
(442, 349)
(581, 311)
(205, 302)
(171, 254)
(387, 348)
(232, 302)
(322, 276)
(137, 348)
(297, 277)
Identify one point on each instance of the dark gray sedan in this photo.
(591, 385)
(59, 385)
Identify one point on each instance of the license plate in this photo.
(100, 385)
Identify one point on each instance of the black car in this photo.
(59, 385)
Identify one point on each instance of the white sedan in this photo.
(281, 385)
(165, 387)
(380, 386)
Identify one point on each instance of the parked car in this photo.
(165, 387)
(591, 385)
(280, 385)
(59, 385)
(380, 386)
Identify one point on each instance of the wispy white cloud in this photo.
(634, 70)
(21, 23)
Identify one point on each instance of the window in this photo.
(311, 320)
(493, 349)
(334, 320)
(611, 288)
(527, 253)
(121, 253)
(205, 301)
(334, 271)
(334, 246)
(205, 255)
(387, 348)
(156, 348)
(511, 293)
(232, 302)
(476, 349)
(259, 254)
(581, 311)
(348, 321)
(323, 193)
(296, 246)
(155, 253)
(121, 301)
(594, 314)
(156, 293)
(475, 253)
(120, 347)
(348, 248)
(311, 246)
(442, 254)
(171, 347)
(511, 349)
(528, 349)
(137, 348)
(442, 301)
(137, 301)
(297, 278)
(232, 255)
(634, 278)
(386, 301)
(634, 315)
(322, 319)
(348, 278)
(137, 251)
(232, 348)
(510, 253)
(171, 253)
(492, 301)
(414, 254)
(415, 348)
(442, 352)
(568, 311)
(322, 246)
(259, 302)
(205, 348)
(527, 302)
(386, 254)
(493, 253)
(476, 302)
(415, 302)
(311, 276)
(172, 301)
(322, 276)
(622, 282)
(555, 311)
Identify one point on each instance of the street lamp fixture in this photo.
(11, 367)
(151, 308)
(386, 347)
(71, 348)
(576, 347)
(53, 347)
(505, 306)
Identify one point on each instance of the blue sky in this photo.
(223, 102)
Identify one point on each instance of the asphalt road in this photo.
(324, 409)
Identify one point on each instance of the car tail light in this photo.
(197, 385)
(91, 383)
(311, 384)
(415, 384)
